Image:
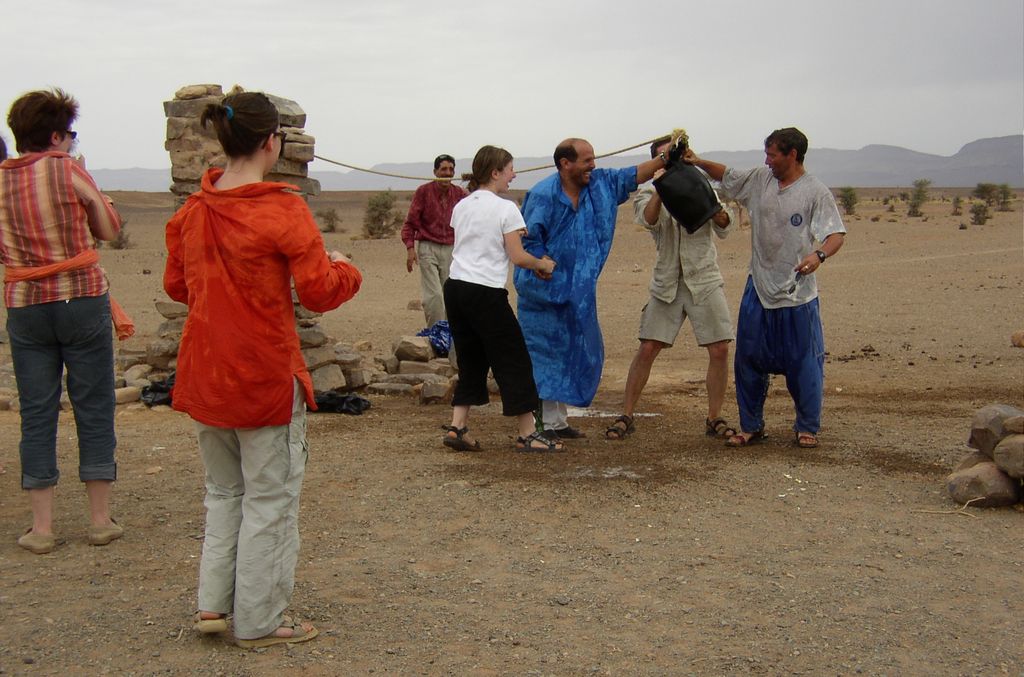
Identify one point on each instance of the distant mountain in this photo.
(142, 180)
(995, 160)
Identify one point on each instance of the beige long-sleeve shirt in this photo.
(690, 259)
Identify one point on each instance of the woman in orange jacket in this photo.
(234, 249)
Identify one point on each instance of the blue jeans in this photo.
(45, 338)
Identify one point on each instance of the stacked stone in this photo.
(992, 476)
(333, 366)
(413, 368)
(193, 149)
(140, 367)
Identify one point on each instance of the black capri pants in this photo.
(487, 335)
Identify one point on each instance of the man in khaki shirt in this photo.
(686, 283)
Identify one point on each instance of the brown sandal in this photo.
(718, 428)
(805, 440)
(458, 443)
(620, 432)
(209, 626)
(300, 633)
(746, 439)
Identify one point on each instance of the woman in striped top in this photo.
(58, 309)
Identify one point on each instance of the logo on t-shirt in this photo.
(796, 220)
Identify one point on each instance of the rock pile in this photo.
(992, 475)
(333, 366)
(413, 368)
(193, 149)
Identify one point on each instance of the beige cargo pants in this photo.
(253, 480)
(434, 260)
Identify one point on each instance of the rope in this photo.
(434, 178)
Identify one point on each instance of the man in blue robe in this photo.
(570, 217)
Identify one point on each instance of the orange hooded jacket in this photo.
(231, 256)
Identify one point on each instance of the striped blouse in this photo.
(50, 210)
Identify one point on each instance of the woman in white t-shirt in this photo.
(488, 232)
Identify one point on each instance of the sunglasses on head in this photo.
(71, 133)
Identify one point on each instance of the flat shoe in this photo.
(299, 634)
(209, 626)
(104, 535)
(35, 543)
(566, 433)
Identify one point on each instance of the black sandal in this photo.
(458, 443)
(546, 444)
(719, 428)
(617, 432)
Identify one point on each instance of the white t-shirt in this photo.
(785, 223)
(480, 222)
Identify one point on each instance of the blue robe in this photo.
(559, 316)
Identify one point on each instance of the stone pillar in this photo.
(194, 149)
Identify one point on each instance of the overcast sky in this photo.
(404, 80)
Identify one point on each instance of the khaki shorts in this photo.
(660, 321)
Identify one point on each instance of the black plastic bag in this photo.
(158, 392)
(686, 192)
(331, 401)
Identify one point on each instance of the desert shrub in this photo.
(987, 192)
(329, 220)
(885, 200)
(381, 219)
(891, 207)
(904, 196)
(957, 206)
(918, 197)
(979, 213)
(1004, 197)
(848, 198)
(122, 241)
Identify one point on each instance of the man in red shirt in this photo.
(428, 235)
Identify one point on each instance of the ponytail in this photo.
(242, 122)
(487, 160)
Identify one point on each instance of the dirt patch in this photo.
(663, 554)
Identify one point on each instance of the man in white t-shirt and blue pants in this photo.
(779, 327)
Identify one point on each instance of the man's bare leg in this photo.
(636, 379)
(717, 377)
(639, 373)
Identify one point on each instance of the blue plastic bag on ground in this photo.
(440, 337)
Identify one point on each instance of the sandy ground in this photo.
(663, 554)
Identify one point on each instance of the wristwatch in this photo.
(821, 255)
